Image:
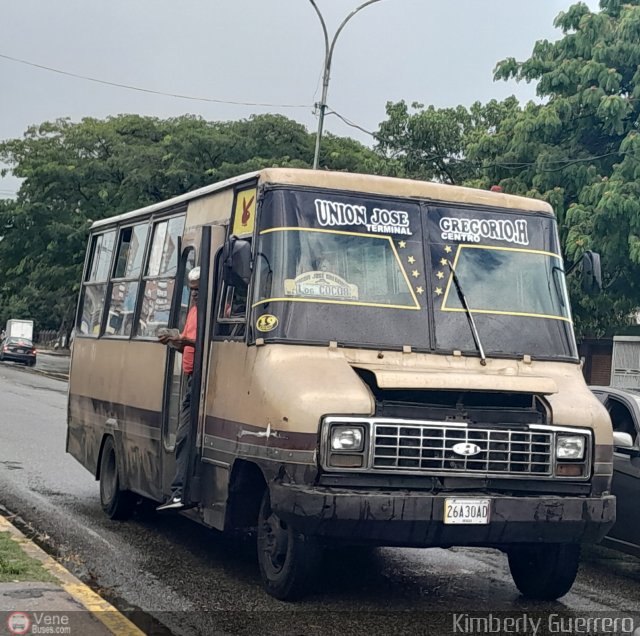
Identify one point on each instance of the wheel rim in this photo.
(275, 541)
(109, 478)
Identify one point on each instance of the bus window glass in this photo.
(164, 249)
(156, 306)
(131, 251)
(232, 306)
(101, 257)
(332, 267)
(124, 287)
(235, 303)
(153, 269)
(93, 302)
(159, 281)
(121, 308)
(93, 296)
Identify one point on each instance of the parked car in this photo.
(624, 408)
(18, 350)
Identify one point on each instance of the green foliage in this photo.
(76, 173)
(16, 565)
(579, 149)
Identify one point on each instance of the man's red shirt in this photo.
(190, 331)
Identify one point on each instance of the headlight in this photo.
(347, 438)
(570, 446)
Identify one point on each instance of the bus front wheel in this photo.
(288, 560)
(116, 503)
(544, 572)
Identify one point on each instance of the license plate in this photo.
(466, 511)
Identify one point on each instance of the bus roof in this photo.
(373, 184)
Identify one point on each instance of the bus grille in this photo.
(430, 448)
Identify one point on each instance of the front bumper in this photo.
(414, 518)
(11, 356)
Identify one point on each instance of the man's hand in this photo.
(177, 342)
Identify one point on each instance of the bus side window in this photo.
(232, 310)
(159, 277)
(95, 285)
(126, 280)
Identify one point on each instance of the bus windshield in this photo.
(336, 268)
(363, 271)
(514, 282)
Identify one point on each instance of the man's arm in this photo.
(177, 342)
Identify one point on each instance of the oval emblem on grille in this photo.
(466, 450)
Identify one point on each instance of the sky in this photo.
(439, 52)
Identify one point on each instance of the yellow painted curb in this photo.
(106, 613)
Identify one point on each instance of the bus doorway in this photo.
(175, 380)
(179, 381)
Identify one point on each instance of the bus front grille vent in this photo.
(445, 449)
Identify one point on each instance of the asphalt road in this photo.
(191, 580)
(53, 363)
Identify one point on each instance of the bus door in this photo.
(175, 379)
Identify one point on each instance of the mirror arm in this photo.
(572, 268)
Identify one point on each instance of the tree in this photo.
(581, 146)
(434, 143)
(579, 149)
(76, 173)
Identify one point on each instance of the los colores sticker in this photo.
(267, 322)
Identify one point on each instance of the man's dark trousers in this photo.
(183, 441)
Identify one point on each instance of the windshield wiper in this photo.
(472, 324)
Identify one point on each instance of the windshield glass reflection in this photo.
(509, 281)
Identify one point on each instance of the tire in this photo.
(288, 560)
(117, 504)
(544, 572)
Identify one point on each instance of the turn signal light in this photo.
(569, 470)
(346, 461)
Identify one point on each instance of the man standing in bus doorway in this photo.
(184, 343)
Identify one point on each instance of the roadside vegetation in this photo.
(16, 566)
(579, 149)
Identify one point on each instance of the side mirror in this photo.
(622, 440)
(591, 273)
(237, 261)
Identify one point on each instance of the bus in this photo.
(379, 362)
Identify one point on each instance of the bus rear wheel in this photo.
(288, 560)
(116, 503)
(544, 572)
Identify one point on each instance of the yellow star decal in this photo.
(439, 291)
(402, 244)
(420, 290)
(411, 260)
(415, 273)
(440, 275)
(448, 249)
(443, 261)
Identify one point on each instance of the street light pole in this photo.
(328, 55)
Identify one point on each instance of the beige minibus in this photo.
(379, 362)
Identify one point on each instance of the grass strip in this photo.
(16, 566)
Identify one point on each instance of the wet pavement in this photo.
(183, 578)
(50, 363)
